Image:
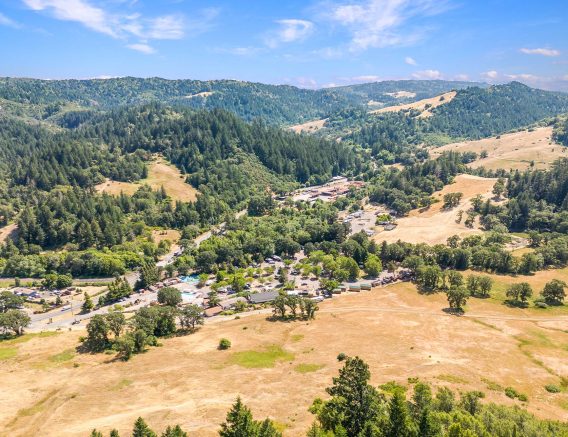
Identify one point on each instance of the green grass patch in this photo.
(261, 359)
(492, 385)
(8, 352)
(297, 337)
(38, 406)
(452, 379)
(308, 368)
(123, 383)
(26, 337)
(62, 357)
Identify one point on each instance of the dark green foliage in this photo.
(240, 423)
(169, 296)
(14, 320)
(479, 113)
(553, 291)
(141, 429)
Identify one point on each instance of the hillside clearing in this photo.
(8, 231)
(424, 105)
(309, 126)
(188, 381)
(511, 151)
(160, 174)
(434, 225)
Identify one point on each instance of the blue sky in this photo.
(305, 43)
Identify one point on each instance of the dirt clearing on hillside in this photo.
(8, 231)
(50, 390)
(511, 151)
(434, 225)
(424, 105)
(160, 173)
(309, 126)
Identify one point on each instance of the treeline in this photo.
(560, 132)
(357, 408)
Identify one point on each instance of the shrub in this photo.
(224, 344)
(341, 357)
(511, 392)
(551, 388)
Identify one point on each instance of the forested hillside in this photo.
(280, 104)
(473, 113)
(392, 92)
(478, 113)
(69, 102)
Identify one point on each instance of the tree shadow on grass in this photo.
(454, 311)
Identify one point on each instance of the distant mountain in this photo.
(276, 104)
(392, 92)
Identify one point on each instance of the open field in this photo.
(160, 173)
(398, 332)
(420, 105)
(309, 126)
(511, 151)
(434, 225)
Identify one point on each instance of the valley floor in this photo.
(49, 388)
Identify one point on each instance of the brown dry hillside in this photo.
(420, 105)
(49, 390)
(160, 173)
(512, 151)
(434, 225)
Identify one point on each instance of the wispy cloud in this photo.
(427, 74)
(124, 25)
(540, 51)
(289, 30)
(410, 61)
(142, 48)
(6, 21)
(365, 78)
(242, 51)
(80, 11)
(379, 23)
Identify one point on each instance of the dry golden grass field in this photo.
(309, 126)
(50, 390)
(420, 105)
(434, 225)
(160, 173)
(511, 151)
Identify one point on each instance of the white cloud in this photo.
(166, 27)
(492, 75)
(77, 10)
(142, 48)
(290, 30)
(540, 51)
(410, 61)
(463, 77)
(565, 77)
(365, 78)
(427, 74)
(302, 82)
(379, 23)
(123, 25)
(523, 76)
(328, 53)
(242, 51)
(6, 21)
